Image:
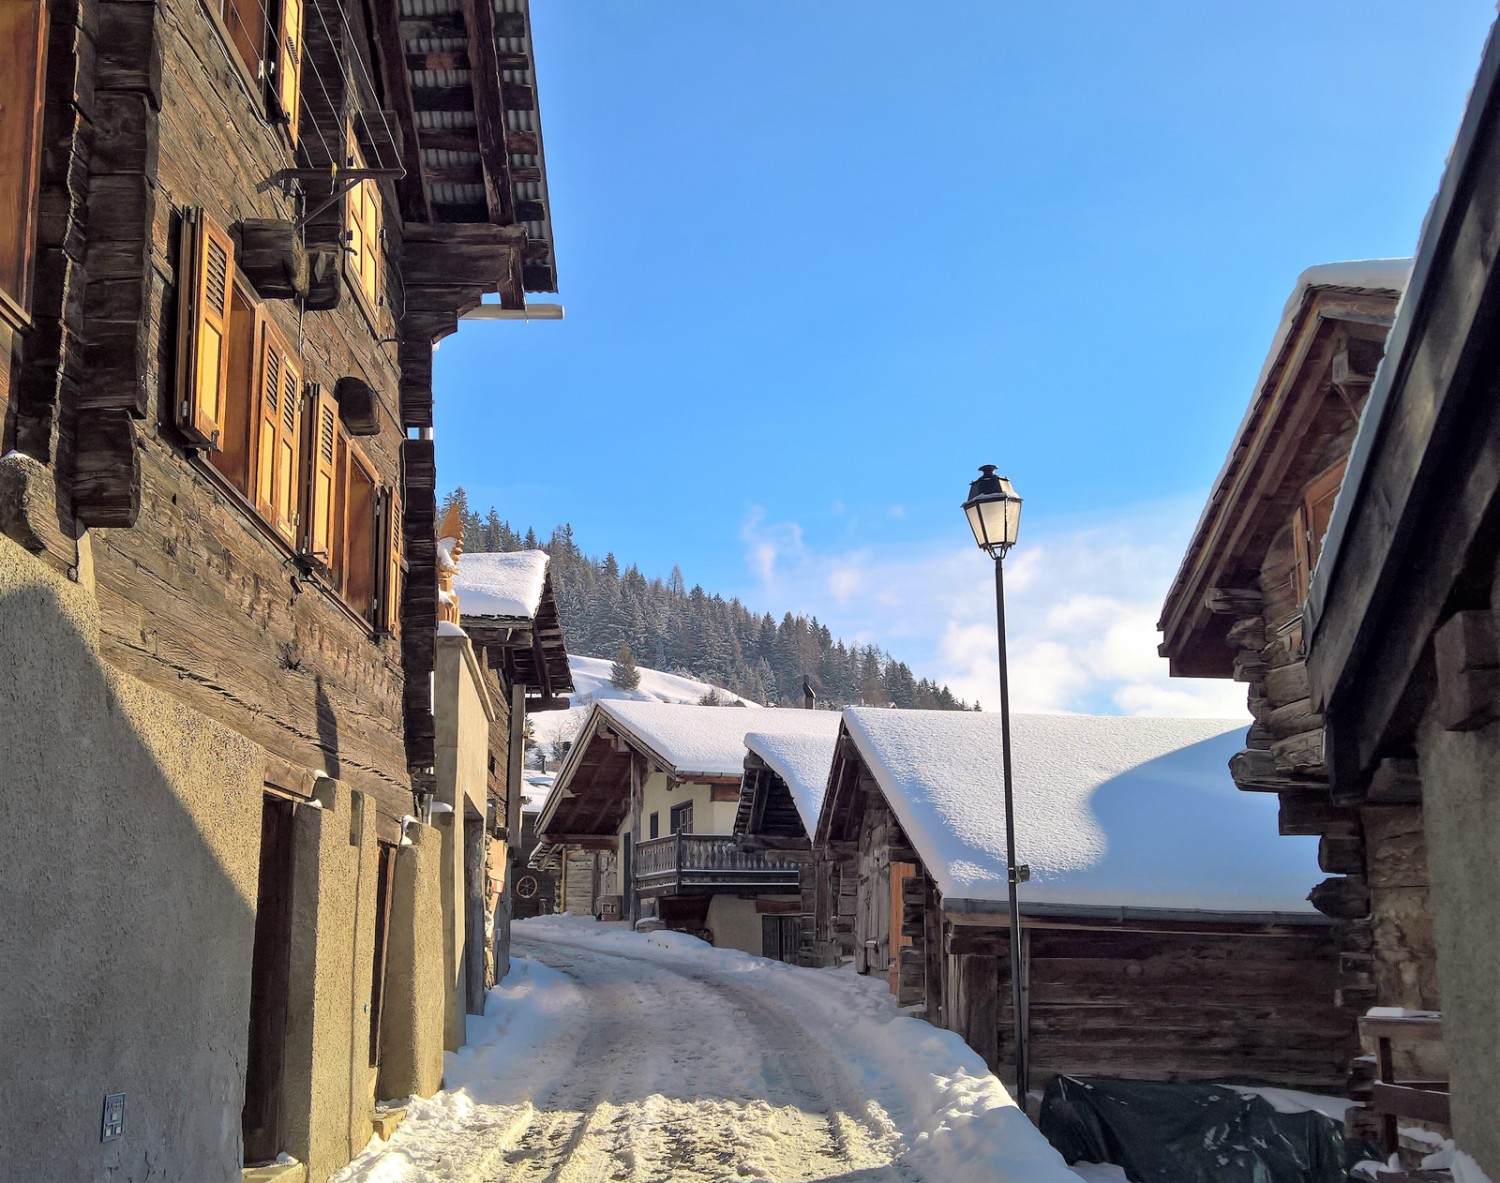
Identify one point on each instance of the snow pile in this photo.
(591, 684)
(1110, 811)
(709, 741)
(802, 759)
(507, 586)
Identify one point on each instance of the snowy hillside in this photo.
(591, 683)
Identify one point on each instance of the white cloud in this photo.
(1081, 603)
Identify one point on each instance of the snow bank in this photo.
(710, 741)
(1110, 811)
(955, 1119)
(507, 586)
(802, 760)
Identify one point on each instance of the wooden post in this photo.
(514, 778)
(632, 899)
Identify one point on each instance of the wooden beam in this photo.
(1467, 650)
(390, 53)
(1233, 601)
(489, 114)
(1395, 782)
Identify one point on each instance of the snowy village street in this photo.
(609, 1055)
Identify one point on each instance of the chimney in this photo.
(809, 698)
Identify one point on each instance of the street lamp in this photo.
(994, 513)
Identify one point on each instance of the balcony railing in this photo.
(708, 860)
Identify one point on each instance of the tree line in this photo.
(668, 626)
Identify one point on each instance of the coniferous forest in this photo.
(669, 626)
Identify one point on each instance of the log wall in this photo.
(1154, 1006)
(196, 598)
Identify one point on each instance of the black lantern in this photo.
(994, 512)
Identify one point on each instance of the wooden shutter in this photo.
(320, 498)
(289, 454)
(393, 563)
(1310, 523)
(289, 64)
(203, 337)
(267, 419)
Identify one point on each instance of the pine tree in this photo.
(622, 672)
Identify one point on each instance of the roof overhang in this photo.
(527, 650)
(1089, 915)
(1296, 404)
(460, 77)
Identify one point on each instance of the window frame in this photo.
(288, 534)
(679, 811)
(15, 306)
(1321, 491)
(369, 302)
(262, 85)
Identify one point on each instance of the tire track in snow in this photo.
(653, 1097)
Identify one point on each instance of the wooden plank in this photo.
(484, 78)
(390, 55)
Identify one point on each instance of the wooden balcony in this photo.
(683, 862)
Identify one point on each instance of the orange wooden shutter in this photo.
(203, 358)
(288, 475)
(268, 420)
(289, 64)
(392, 565)
(322, 430)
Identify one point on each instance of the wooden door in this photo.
(270, 972)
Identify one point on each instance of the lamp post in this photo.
(994, 513)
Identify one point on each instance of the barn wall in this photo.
(1175, 1006)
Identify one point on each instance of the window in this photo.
(1310, 524)
(682, 818)
(23, 41)
(655, 825)
(363, 210)
(268, 42)
(274, 437)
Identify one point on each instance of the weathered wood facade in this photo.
(232, 237)
(1401, 613)
(1236, 610)
(1147, 992)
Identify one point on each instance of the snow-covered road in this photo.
(610, 1055)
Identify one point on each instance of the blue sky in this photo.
(822, 259)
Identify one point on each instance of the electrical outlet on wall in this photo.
(113, 1124)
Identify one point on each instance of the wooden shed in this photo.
(1164, 930)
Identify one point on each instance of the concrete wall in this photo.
(411, 1031)
(462, 714)
(735, 923)
(1461, 808)
(129, 828)
(328, 1081)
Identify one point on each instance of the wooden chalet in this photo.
(230, 235)
(645, 804)
(1403, 644)
(780, 794)
(1235, 610)
(1163, 937)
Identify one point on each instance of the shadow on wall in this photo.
(129, 834)
(328, 728)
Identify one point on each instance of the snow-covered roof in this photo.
(802, 759)
(1111, 812)
(706, 741)
(534, 789)
(506, 585)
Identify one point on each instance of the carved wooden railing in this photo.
(708, 859)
